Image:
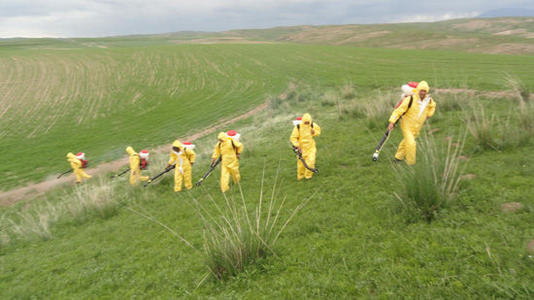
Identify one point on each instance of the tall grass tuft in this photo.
(347, 91)
(483, 128)
(453, 102)
(433, 182)
(236, 236)
(515, 128)
(378, 110)
(86, 200)
(98, 199)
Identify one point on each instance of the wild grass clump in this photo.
(432, 183)
(347, 91)
(30, 224)
(515, 128)
(98, 199)
(235, 237)
(84, 201)
(453, 102)
(483, 128)
(378, 110)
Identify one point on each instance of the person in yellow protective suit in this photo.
(184, 157)
(414, 110)
(302, 139)
(135, 171)
(76, 165)
(230, 148)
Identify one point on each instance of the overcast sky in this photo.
(87, 18)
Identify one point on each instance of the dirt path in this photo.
(33, 190)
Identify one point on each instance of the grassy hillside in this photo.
(499, 35)
(350, 240)
(489, 35)
(100, 100)
(358, 234)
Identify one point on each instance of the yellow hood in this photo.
(178, 144)
(70, 155)
(130, 150)
(306, 118)
(221, 136)
(423, 85)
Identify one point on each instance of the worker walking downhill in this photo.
(230, 149)
(135, 170)
(302, 138)
(183, 156)
(414, 110)
(77, 163)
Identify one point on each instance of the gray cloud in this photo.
(68, 18)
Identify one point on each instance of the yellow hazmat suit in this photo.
(135, 171)
(412, 121)
(230, 149)
(76, 166)
(183, 159)
(302, 137)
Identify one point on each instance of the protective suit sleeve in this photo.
(172, 158)
(294, 138)
(238, 147)
(316, 129)
(399, 111)
(192, 156)
(216, 151)
(431, 108)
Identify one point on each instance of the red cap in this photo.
(299, 118)
(144, 151)
(187, 143)
(79, 154)
(231, 133)
(413, 84)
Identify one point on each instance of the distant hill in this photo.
(508, 12)
(495, 35)
(510, 35)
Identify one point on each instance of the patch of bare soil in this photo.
(358, 37)
(448, 42)
(329, 34)
(469, 176)
(474, 25)
(530, 246)
(485, 94)
(33, 190)
(511, 207)
(222, 40)
(522, 32)
(510, 48)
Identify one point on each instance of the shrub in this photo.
(433, 182)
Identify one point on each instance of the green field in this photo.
(350, 240)
(101, 100)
